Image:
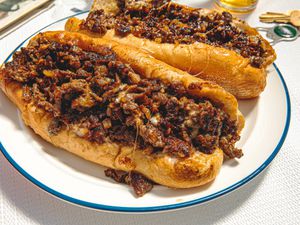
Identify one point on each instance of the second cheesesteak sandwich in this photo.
(211, 45)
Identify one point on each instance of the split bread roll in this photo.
(195, 169)
(212, 59)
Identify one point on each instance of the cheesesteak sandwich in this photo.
(123, 109)
(208, 44)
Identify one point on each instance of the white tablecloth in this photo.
(271, 198)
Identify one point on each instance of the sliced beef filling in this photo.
(171, 23)
(102, 100)
(141, 185)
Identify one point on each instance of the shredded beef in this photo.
(140, 184)
(101, 99)
(165, 22)
(175, 146)
(118, 175)
(98, 22)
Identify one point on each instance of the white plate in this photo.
(78, 181)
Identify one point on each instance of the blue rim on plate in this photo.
(153, 208)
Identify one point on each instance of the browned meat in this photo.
(152, 135)
(98, 22)
(55, 126)
(175, 146)
(118, 175)
(227, 145)
(140, 184)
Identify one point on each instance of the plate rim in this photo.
(152, 208)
